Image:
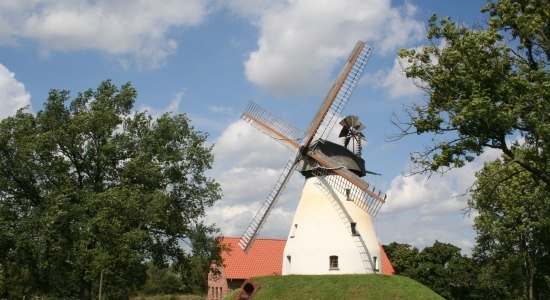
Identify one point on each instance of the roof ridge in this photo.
(271, 239)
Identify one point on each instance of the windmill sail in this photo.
(368, 201)
(251, 232)
(349, 184)
(338, 96)
(275, 127)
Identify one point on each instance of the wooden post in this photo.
(100, 285)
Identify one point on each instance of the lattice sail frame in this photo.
(280, 130)
(253, 229)
(352, 192)
(334, 113)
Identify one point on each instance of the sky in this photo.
(208, 59)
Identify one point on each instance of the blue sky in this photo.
(209, 58)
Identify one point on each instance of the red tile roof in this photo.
(387, 268)
(264, 258)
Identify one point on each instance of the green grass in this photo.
(340, 287)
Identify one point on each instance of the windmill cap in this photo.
(340, 154)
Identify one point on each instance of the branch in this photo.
(527, 166)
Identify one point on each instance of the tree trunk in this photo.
(531, 284)
(85, 290)
(529, 281)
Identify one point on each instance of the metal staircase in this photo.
(364, 200)
(323, 185)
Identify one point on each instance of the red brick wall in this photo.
(217, 286)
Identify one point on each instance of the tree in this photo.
(441, 267)
(90, 187)
(484, 86)
(205, 257)
(162, 281)
(403, 257)
(513, 244)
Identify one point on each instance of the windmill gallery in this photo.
(332, 230)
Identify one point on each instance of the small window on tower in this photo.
(333, 262)
(293, 231)
(348, 192)
(354, 228)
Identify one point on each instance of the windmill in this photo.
(335, 200)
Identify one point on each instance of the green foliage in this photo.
(87, 186)
(440, 267)
(205, 257)
(2, 288)
(511, 259)
(485, 85)
(403, 257)
(513, 243)
(341, 287)
(162, 281)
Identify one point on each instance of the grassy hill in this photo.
(340, 287)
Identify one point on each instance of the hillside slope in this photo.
(340, 287)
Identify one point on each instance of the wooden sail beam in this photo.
(325, 106)
(274, 133)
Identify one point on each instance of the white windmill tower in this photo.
(332, 231)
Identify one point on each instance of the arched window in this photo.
(333, 262)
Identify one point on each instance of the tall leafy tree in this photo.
(89, 187)
(485, 85)
(513, 225)
(161, 281)
(445, 270)
(440, 267)
(403, 257)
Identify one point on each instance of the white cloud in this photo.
(13, 94)
(247, 166)
(252, 8)
(394, 81)
(222, 110)
(173, 106)
(302, 41)
(420, 210)
(245, 146)
(130, 30)
(175, 102)
(199, 122)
